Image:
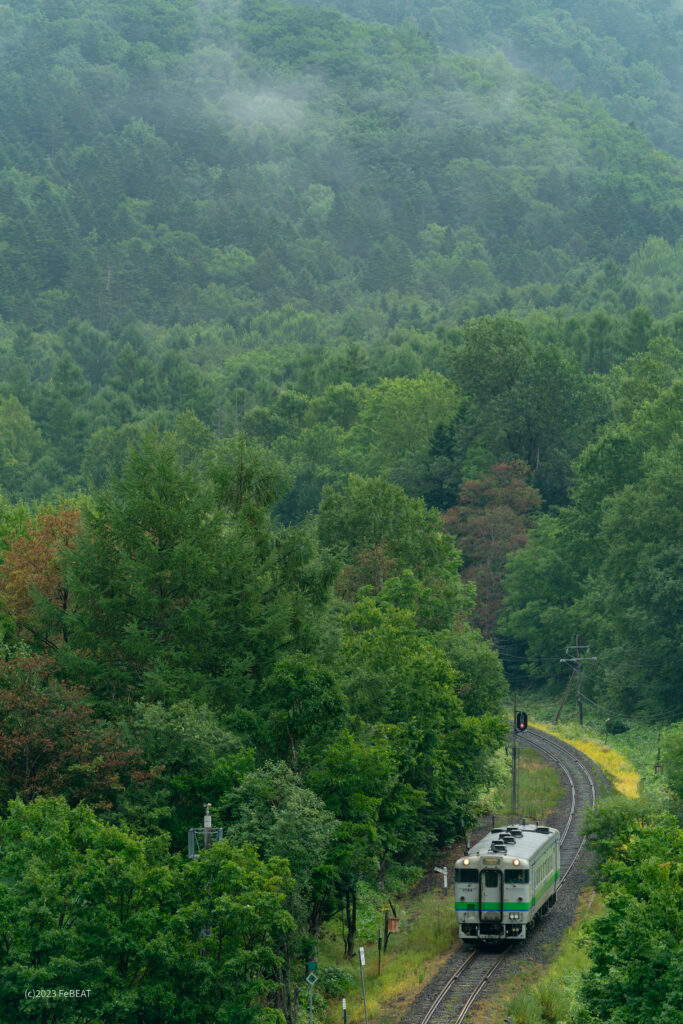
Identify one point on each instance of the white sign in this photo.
(361, 954)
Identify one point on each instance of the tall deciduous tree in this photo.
(87, 907)
(401, 677)
(52, 743)
(302, 703)
(489, 522)
(378, 531)
(272, 811)
(236, 904)
(32, 581)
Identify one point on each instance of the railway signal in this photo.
(520, 725)
(521, 721)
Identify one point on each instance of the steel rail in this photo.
(447, 987)
(550, 743)
(480, 987)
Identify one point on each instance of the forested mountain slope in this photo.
(628, 52)
(174, 163)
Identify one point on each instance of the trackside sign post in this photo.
(361, 957)
(311, 978)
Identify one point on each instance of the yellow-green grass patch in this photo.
(618, 769)
(539, 788)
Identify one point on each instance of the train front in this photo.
(492, 899)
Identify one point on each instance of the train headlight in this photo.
(466, 861)
(516, 862)
(514, 917)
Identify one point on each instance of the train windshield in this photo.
(466, 875)
(517, 875)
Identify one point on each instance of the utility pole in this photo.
(514, 761)
(658, 766)
(578, 660)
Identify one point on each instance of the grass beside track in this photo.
(428, 933)
(540, 789)
(616, 766)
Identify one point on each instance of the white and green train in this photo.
(506, 881)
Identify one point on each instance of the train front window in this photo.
(466, 875)
(491, 879)
(517, 876)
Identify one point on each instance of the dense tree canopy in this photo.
(89, 907)
(635, 950)
(608, 566)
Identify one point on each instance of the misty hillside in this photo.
(174, 163)
(628, 52)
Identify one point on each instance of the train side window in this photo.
(466, 875)
(518, 876)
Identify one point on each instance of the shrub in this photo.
(334, 981)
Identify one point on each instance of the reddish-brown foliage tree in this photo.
(31, 579)
(52, 743)
(491, 520)
(371, 566)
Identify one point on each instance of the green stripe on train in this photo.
(492, 906)
(465, 905)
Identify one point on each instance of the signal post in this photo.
(519, 725)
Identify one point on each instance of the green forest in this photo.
(341, 393)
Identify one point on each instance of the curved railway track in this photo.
(449, 1000)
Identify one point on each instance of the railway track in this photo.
(463, 988)
(470, 971)
(582, 788)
